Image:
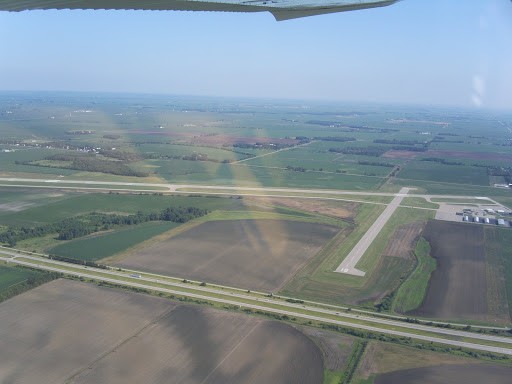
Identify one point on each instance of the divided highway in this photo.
(476, 341)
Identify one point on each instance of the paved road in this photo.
(273, 153)
(315, 313)
(348, 265)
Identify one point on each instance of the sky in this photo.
(435, 52)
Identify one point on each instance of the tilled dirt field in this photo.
(252, 254)
(67, 331)
(403, 240)
(449, 374)
(458, 286)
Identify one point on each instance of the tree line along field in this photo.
(114, 239)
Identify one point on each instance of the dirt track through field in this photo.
(252, 254)
(402, 242)
(458, 286)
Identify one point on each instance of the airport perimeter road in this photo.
(348, 265)
(273, 306)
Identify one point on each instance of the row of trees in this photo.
(93, 222)
(35, 279)
(366, 151)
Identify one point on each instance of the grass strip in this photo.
(411, 293)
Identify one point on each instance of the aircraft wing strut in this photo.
(281, 9)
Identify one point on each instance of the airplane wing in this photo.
(281, 9)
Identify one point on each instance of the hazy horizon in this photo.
(436, 53)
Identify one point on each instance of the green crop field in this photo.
(419, 202)
(411, 293)
(76, 204)
(10, 276)
(429, 171)
(15, 280)
(100, 246)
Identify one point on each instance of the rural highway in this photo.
(348, 265)
(268, 305)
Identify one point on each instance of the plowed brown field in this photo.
(449, 374)
(458, 286)
(253, 254)
(67, 331)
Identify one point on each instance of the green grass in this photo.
(419, 202)
(100, 246)
(331, 377)
(203, 172)
(445, 188)
(272, 215)
(461, 201)
(317, 281)
(411, 293)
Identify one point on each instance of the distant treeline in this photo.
(83, 225)
(439, 139)
(112, 137)
(80, 132)
(350, 127)
(262, 145)
(295, 169)
(364, 151)
(442, 161)
(341, 139)
(77, 261)
(191, 157)
(506, 172)
(88, 162)
(120, 155)
(376, 164)
(398, 142)
(409, 148)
